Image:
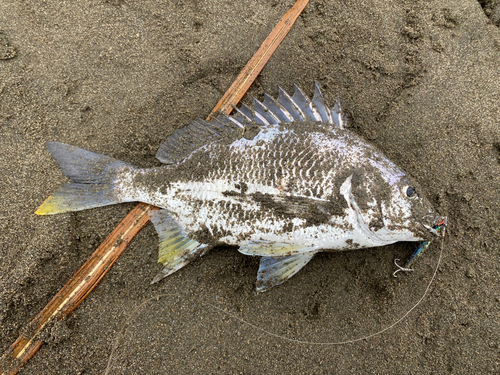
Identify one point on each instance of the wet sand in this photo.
(420, 80)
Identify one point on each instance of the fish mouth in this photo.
(438, 228)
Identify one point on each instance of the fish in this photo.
(282, 179)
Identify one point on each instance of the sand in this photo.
(419, 79)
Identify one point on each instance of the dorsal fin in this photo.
(182, 142)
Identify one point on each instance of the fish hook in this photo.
(400, 268)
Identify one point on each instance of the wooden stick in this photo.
(94, 269)
(77, 288)
(245, 79)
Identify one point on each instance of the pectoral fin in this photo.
(274, 271)
(176, 249)
(346, 191)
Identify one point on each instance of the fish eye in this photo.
(410, 192)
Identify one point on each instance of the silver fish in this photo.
(282, 180)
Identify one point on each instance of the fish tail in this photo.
(94, 180)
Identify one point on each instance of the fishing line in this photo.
(346, 341)
(135, 312)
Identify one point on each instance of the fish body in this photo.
(284, 185)
(283, 181)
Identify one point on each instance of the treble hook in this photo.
(400, 268)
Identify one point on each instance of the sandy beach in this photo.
(418, 79)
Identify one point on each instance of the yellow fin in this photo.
(52, 205)
(78, 197)
(176, 249)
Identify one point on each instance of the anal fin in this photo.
(175, 248)
(274, 271)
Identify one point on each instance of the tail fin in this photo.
(93, 177)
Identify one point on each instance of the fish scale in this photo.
(282, 180)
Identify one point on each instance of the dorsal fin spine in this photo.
(305, 104)
(286, 101)
(234, 121)
(241, 113)
(277, 109)
(265, 112)
(261, 119)
(324, 111)
(246, 111)
(253, 115)
(337, 115)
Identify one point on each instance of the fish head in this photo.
(409, 215)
